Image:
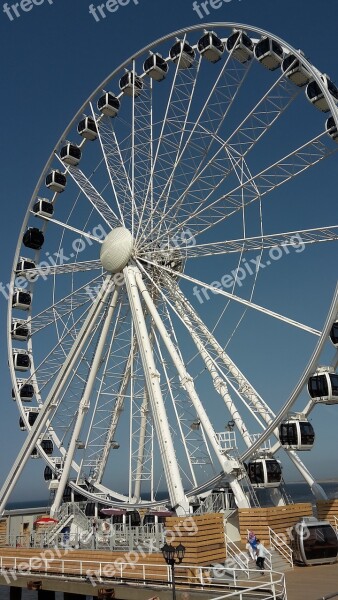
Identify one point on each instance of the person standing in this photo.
(251, 545)
(261, 554)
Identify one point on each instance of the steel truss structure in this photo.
(132, 351)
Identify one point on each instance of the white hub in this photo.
(116, 250)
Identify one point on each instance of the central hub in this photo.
(116, 250)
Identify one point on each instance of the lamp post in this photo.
(173, 556)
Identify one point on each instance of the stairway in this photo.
(278, 562)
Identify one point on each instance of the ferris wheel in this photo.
(157, 241)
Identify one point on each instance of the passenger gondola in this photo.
(67, 494)
(109, 104)
(211, 47)
(269, 53)
(33, 238)
(294, 70)
(331, 129)
(70, 154)
(182, 54)
(43, 208)
(21, 360)
(56, 181)
(156, 67)
(47, 446)
(323, 386)
(32, 415)
(296, 434)
(334, 334)
(316, 96)
(20, 330)
(87, 129)
(21, 299)
(26, 391)
(35, 453)
(23, 265)
(314, 542)
(48, 474)
(264, 473)
(241, 46)
(131, 84)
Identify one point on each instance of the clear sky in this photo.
(52, 57)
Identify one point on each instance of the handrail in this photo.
(277, 542)
(141, 574)
(268, 556)
(237, 554)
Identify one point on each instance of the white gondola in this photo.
(26, 390)
(114, 445)
(241, 46)
(43, 208)
(87, 129)
(331, 129)
(20, 330)
(264, 473)
(156, 67)
(269, 53)
(21, 299)
(34, 453)
(296, 434)
(56, 181)
(51, 474)
(323, 386)
(109, 104)
(21, 360)
(23, 265)
(131, 84)
(32, 415)
(316, 96)
(182, 54)
(33, 238)
(294, 70)
(70, 154)
(334, 334)
(314, 542)
(47, 446)
(211, 47)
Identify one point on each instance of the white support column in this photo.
(170, 465)
(140, 456)
(84, 405)
(53, 396)
(187, 382)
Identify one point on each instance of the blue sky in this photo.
(52, 58)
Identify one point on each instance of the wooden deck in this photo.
(312, 583)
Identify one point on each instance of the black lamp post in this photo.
(173, 556)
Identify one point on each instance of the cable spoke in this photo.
(247, 303)
(100, 205)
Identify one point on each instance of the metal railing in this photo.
(139, 574)
(335, 523)
(268, 557)
(278, 543)
(237, 555)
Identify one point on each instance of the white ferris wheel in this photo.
(142, 268)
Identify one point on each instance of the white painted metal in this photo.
(171, 469)
(84, 404)
(228, 465)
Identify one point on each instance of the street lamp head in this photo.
(168, 552)
(180, 552)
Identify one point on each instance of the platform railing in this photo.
(278, 543)
(229, 582)
(335, 523)
(237, 555)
